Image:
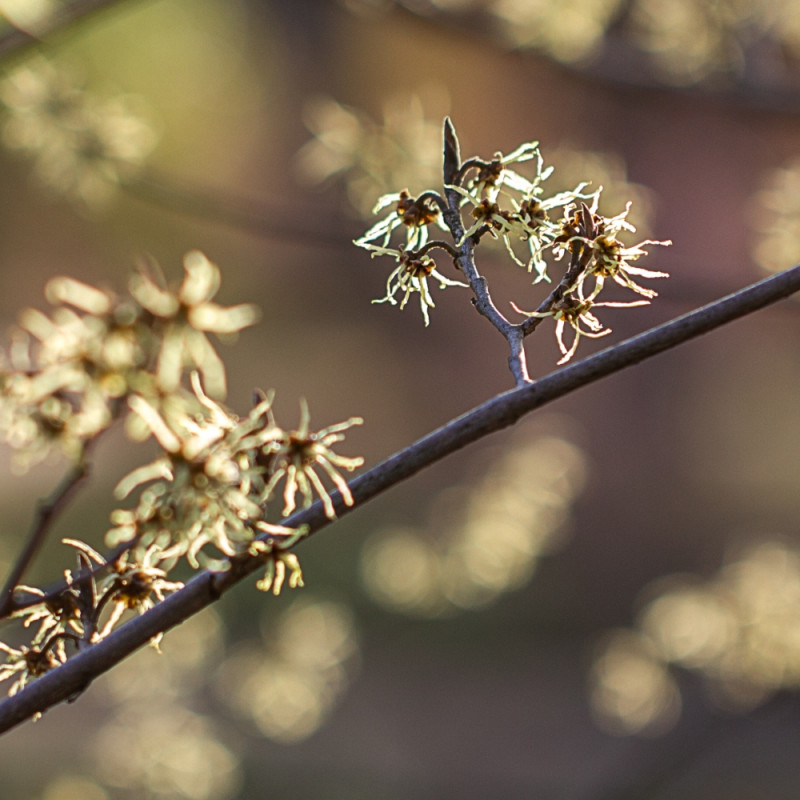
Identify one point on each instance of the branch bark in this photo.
(68, 681)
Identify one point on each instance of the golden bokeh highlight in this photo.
(740, 630)
(631, 689)
(165, 750)
(567, 30)
(154, 745)
(289, 684)
(373, 158)
(74, 787)
(498, 528)
(776, 218)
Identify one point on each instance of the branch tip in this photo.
(452, 152)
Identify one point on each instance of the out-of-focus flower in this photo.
(67, 374)
(498, 528)
(373, 158)
(569, 30)
(187, 314)
(206, 488)
(28, 15)
(740, 630)
(289, 685)
(776, 218)
(82, 146)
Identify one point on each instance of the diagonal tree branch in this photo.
(69, 680)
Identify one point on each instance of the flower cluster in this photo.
(595, 254)
(537, 231)
(217, 473)
(526, 218)
(206, 499)
(411, 277)
(68, 373)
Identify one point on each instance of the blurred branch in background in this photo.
(36, 20)
(252, 216)
(743, 52)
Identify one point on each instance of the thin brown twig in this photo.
(453, 171)
(46, 512)
(68, 680)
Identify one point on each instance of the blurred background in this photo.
(602, 603)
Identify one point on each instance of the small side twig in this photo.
(46, 512)
(465, 261)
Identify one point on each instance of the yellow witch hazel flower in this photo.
(131, 583)
(411, 277)
(206, 488)
(295, 456)
(415, 213)
(188, 314)
(611, 258)
(595, 252)
(494, 177)
(576, 311)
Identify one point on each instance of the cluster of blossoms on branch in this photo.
(206, 499)
(538, 232)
